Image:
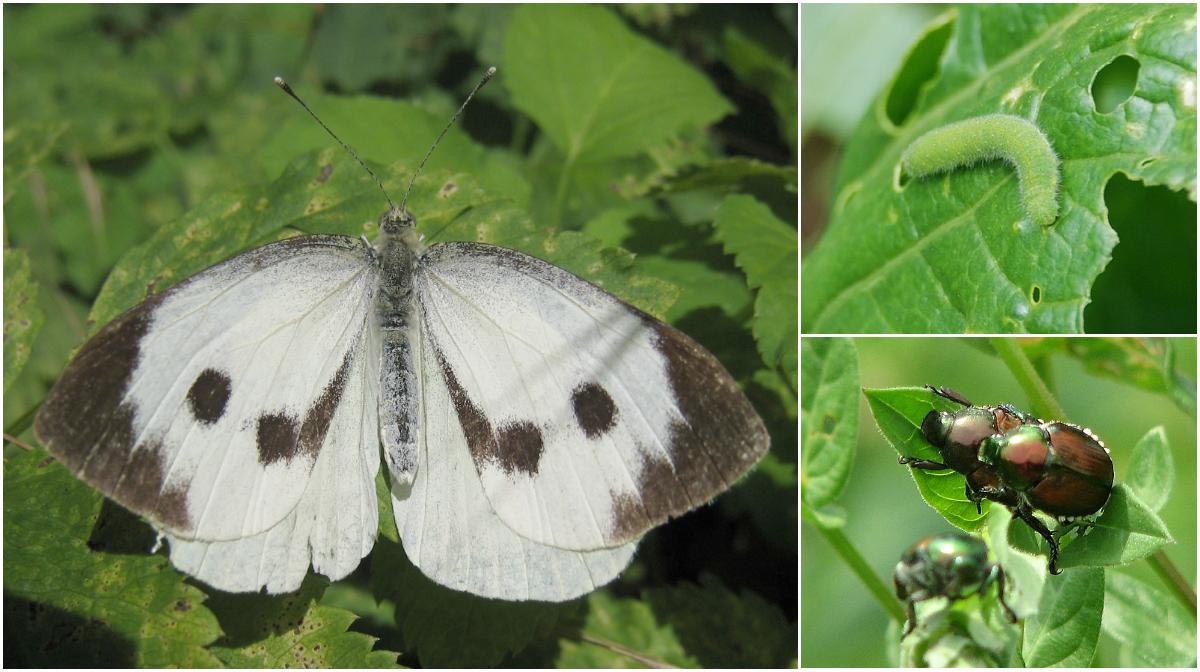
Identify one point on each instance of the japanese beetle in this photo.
(951, 565)
(1016, 459)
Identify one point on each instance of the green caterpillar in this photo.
(994, 136)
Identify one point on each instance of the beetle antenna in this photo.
(288, 90)
(482, 80)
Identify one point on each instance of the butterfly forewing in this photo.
(587, 421)
(205, 408)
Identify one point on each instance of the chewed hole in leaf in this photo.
(1114, 83)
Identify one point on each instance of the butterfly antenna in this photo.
(288, 90)
(482, 80)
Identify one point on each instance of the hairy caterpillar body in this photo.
(994, 136)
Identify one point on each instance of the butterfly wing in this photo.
(587, 421)
(450, 531)
(333, 525)
(211, 408)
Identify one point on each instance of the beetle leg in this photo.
(1012, 616)
(1025, 417)
(1037, 525)
(947, 393)
(912, 619)
(975, 497)
(918, 463)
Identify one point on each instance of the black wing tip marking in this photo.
(87, 425)
(718, 440)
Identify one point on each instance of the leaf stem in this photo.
(625, 651)
(17, 442)
(560, 191)
(1166, 570)
(1043, 401)
(844, 548)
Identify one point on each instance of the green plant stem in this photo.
(560, 190)
(1166, 570)
(1043, 401)
(882, 593)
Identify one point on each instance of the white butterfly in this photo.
(534, 426)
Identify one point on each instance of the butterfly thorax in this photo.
(396, 249)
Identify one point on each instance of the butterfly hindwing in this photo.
(587, 421)
(208, 408)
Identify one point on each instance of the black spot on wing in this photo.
(516, 447)
(208, 396)
(519, 447)
(716, 439)
(277, 438)
(595, 412)
(281, 437)
(326, 171)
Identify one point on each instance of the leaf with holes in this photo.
(957, 251)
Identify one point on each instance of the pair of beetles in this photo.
(1011, 458)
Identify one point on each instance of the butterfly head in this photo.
(397, 225)
(396, 221)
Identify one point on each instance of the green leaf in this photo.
(765, 249)
(26, 146)
(598, 89)
(898, 413)
(1064, 630)
(754, 65)
(828, 417)
(83, 220)
(292, 630)
(67, 605)
(729, 174)
(724, 629)
(1128, 530)
(355, 46)
(623, 632)
(448, 628)
(22, 316)
(1144, 362)
(1151, 470)
(1154, 629)
(116, 95)
(389, 131)
(953, 253)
